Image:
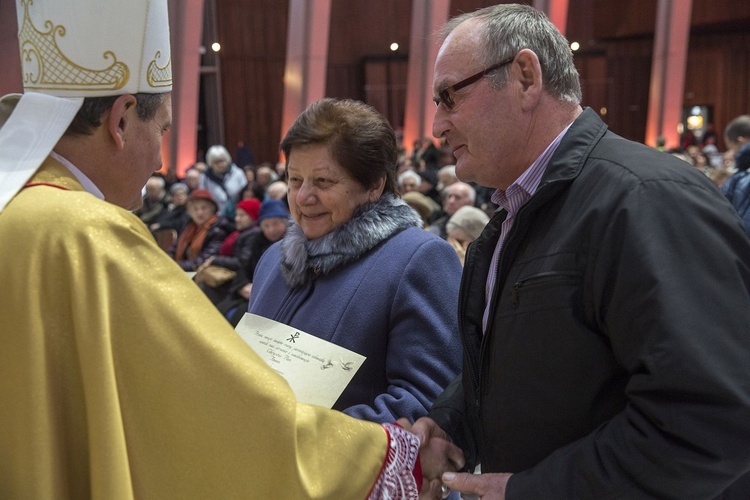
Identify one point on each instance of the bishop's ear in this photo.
(119, 119)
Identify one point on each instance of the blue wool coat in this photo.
(394, 303)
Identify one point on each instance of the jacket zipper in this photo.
(546, 277)
(472, 368)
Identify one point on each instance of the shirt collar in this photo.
(87, 183)
(525, 186)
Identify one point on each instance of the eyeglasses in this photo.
(445, 96)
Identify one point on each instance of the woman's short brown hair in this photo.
(358, 137)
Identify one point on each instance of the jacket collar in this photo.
(371, 224)
(575, 147)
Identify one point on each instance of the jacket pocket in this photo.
(547, 290)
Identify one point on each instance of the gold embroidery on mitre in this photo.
(45, 67)
(159, 76)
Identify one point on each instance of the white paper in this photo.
(317, 371)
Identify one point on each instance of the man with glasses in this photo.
(605, 309)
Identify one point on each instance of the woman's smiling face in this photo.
(322, 194)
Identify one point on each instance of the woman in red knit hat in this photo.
(234, 252)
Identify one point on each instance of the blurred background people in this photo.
(155, 200)
(244, 155)
(215, 274)
(425, 155)
(456, 195)
(265, 175)
(423, 205)
(737, 187)
(409, 181)
(175, 217)
(232, 300)
(277, 190)
(446, 176)
(204, 234)
(192, 178)
(223, 179)
(463, 227)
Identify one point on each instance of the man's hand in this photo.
(436, 454)
(486, 486)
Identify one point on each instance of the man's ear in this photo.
(120, 115)
(529, 75)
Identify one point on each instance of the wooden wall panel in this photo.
(385, 88)
(628, 77)
(595, 82)
(614, 64)
(253, 39)
(718, 75)
(624, 18)
(362, 30)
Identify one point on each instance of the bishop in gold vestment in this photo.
(119, 379)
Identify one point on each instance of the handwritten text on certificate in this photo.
(316, 370)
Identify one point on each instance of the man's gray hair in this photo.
(461, 185)
(509, 28)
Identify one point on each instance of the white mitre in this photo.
(71, 49)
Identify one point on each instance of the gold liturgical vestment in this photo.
(119, 379)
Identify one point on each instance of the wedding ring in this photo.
(445, 491)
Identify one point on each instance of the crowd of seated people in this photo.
(216, 221)
(223, 229)
(705, 156)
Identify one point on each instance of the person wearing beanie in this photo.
(234, 251)
(245, 219)
(232, 300)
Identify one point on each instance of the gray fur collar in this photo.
(370, 224)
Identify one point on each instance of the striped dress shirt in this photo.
(512, 199)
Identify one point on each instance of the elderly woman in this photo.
(223, 179)
(357, 269)
(273, 222)
(204, 234)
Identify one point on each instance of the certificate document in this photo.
(317, 370)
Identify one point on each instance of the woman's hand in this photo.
(244, 292)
